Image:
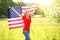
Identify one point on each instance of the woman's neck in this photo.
(27, 16)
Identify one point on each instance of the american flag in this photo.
(15, 21)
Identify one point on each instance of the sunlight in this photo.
(42, 2)
(16, 0)
(45, 2)
(27, 1)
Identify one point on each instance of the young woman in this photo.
(27, 21)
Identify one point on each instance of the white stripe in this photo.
(16, 25)
(15, 18)
(23, 10)
(16, 22)
(25, 7)
(32, 9)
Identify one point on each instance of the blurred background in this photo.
(45, 22)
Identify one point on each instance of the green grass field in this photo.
(41, 29)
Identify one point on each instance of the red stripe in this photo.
(16, 23)
(14, 20)
(31, 10)
(15, 27)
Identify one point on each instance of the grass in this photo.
(41, 29)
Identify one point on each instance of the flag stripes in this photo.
(15, 23)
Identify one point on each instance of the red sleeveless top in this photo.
(27, 22)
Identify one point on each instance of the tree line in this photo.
(4, 4)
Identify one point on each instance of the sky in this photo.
(26, 1)
(43, 2)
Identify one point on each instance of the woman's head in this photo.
(26, 13)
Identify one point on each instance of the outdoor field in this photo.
(41, 29)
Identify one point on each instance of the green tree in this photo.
(39, 11)
(4, 4)
(30, 4)
(21, 4)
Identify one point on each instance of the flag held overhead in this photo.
(15, 13)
